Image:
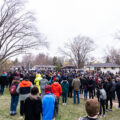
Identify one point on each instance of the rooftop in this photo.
(104, 65)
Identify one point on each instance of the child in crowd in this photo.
(92, 108)
(49, 103)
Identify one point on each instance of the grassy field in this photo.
(69, 112)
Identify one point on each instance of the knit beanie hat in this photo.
(48, 89)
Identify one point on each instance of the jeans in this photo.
(85, 95)
(64, 97)
(2, 89)
(14, 103)
(76, 93)
(42, 92)
(22, 103)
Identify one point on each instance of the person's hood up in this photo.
(38, 75)
(34, 97)
(64, 81)
(56, 84)
(3, 74)
(25, 83)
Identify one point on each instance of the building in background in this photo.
(44, 67)
(104, 67)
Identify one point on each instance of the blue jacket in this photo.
(48, 105)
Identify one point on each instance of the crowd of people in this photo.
(39, 92)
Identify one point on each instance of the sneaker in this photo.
(110, 109)
(63, 104)
(21, 118)
(103, 115)
(11, 114)
(15, 113)
(100, 116)
(106, 110)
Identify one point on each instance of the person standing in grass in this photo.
(85, 87)
(109, 88)
(24, 90)
(101, 94)
(33, 105)
(118, 91)
(3, 82)
(57, 91)
(70, 79)
(65, 88)
(76, 88)
(43, 83)
(37, 82)
(92, 108)
(14, 96)
(49, 103)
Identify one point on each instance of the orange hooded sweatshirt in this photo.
(56, 89)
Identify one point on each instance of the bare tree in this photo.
(28, 61)
(42, 59)
(17, 30)
(78, 49)
(112, 55)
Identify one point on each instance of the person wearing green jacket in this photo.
(65, 89)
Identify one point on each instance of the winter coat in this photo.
(76, 84)
(56, 89)
(85, 84)
(43, 83)
(70, 79)
(3, 80)
(118, 88)
(114, 86)
(24, 89)
(101, 93)
(49, 102)
(65, 86)
(32, 108)
(109, 89)
(37, 80)
(32, 78)
(90, 85)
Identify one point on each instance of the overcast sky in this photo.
(61, 20)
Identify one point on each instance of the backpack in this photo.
(103, 95)
(13, 89)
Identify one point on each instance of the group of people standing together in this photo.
(39, 92)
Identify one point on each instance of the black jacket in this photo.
(90, 85)
(109, 88)
(33, 108)
(3, 80)
(118, 87)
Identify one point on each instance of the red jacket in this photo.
(56, 89)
